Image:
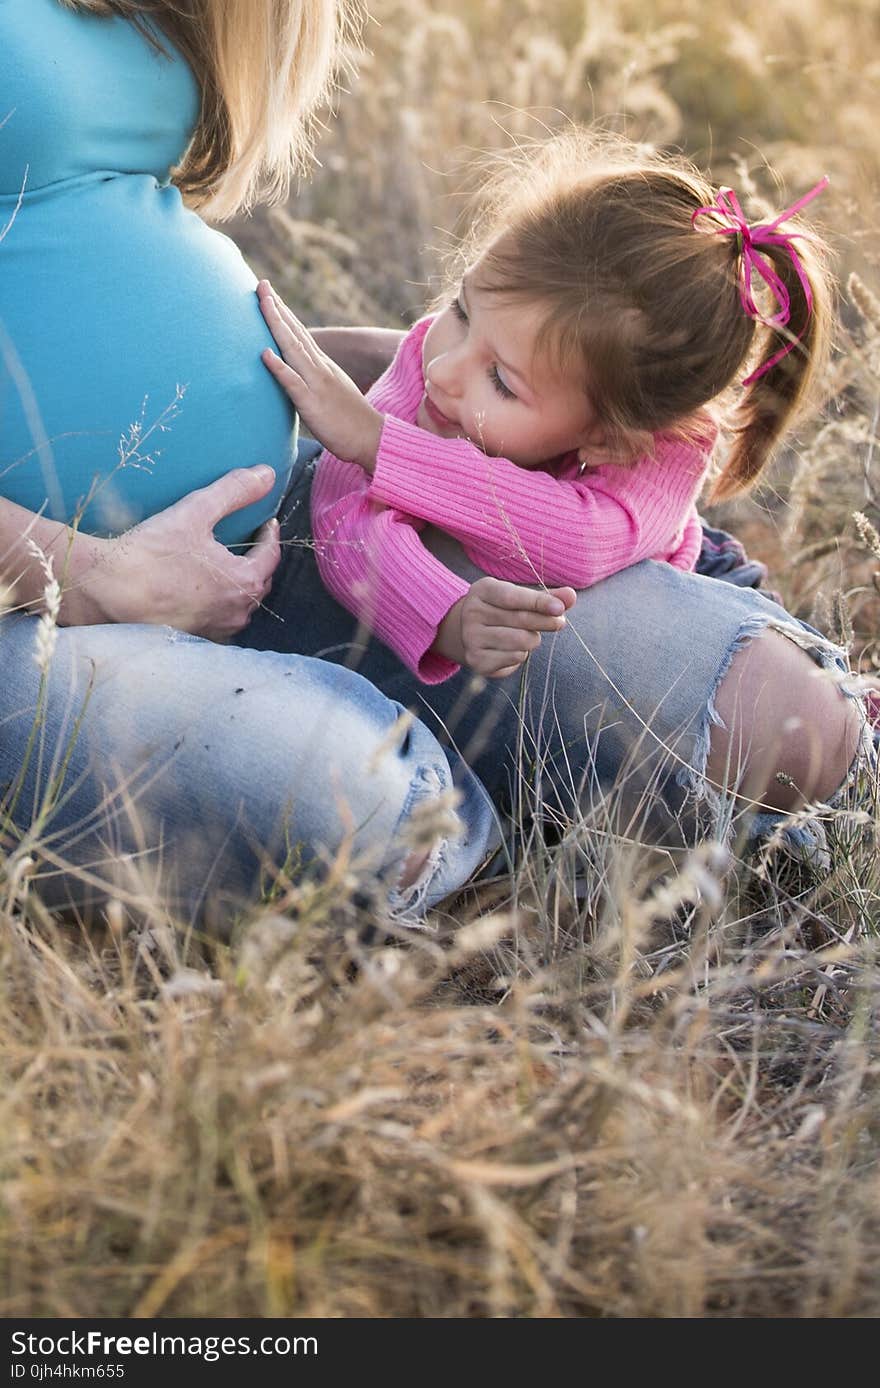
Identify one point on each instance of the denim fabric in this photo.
(622, 698)
(158, 764)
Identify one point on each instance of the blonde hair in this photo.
(646, 307)
(263, 68)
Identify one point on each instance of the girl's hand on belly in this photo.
(363, 353)
(169, 570)
(330, 404)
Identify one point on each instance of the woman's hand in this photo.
(331, 406)
(170, 569)
(497, 624)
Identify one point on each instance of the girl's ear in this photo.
(594, 441)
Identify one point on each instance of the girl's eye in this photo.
(458, 311)
(499, 385)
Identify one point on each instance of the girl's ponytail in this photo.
(796, 337)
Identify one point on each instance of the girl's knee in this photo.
(789, 735)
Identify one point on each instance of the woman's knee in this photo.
(788, 734)
(220, 761)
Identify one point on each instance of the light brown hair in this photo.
(644, 305)
(263, 68)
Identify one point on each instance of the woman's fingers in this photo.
(263, 556)
(170, 569)
(231, 492)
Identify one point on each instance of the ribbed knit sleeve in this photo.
(529, 525)
(372, 560)
(400, 388)
(685, 556)
(370, 557)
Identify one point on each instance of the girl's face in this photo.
(485, 381)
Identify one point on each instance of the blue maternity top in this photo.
(130, 335)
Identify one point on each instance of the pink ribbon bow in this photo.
(726, 210)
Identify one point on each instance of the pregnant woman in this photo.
(139, 758)
(142, 758)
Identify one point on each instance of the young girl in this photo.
(551, 416)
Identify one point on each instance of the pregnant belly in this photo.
(130, 339)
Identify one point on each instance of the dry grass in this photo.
(658, 1101)
(446, 80)
(606, 1085)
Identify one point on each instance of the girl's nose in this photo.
(443, 371)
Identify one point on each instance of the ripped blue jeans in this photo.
(156, 767)
(176, 774)
(612, 716)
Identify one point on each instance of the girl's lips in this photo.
(436, 415)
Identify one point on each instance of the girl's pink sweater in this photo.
(556, 527)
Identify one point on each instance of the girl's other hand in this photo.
(501, 623)
(331, 406)
(170, 569)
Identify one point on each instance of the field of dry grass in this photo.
(605, 1086)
